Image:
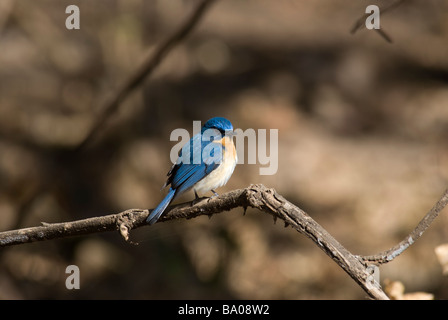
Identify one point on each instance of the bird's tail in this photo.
(157, 212)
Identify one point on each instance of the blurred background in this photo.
(363, 129)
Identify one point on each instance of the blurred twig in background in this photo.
(360, 23)
(142, 72)
(145, 70)
(5, 10)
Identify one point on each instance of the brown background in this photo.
(363, 128)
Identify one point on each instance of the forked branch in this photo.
(255, 196)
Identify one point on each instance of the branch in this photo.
(256, 196)
(267, 200)
(395, 251)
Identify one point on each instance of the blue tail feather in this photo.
(157, 212)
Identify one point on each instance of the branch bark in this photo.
(255, 196)
(395, 251)
(359, 268)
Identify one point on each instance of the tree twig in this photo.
(360, 22)
(395, 251)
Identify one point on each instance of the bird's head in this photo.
(221, 124)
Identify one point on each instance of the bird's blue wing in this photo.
(192, 166)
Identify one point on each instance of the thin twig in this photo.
(395, 251)
(360, 22)
(6, 8)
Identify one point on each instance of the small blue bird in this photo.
(205, 163)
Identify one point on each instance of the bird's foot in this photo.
(215, 194)
(196, 199)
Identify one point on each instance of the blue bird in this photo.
(205, 163)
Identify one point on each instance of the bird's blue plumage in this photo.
(220, 123)
(197, 159)
(157, 212)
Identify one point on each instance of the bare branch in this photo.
(255, 196)
(395, 251)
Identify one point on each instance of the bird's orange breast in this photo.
(229, 151)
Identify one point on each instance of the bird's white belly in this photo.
(219, 177)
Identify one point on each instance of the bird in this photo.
(204, 164)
